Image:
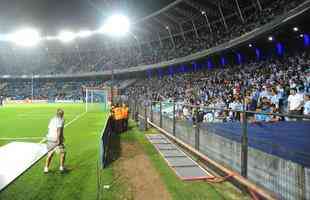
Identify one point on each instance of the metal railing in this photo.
(233, 139)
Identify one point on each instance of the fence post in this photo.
(173, 119)
(244, 146)
(160, 115)
(134, 109)
(137, 112)
(145, 116)
(301, 182)
(151, 111)
(197, 134)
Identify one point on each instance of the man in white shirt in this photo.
(295, 103)
(307, 104)
(55, 140)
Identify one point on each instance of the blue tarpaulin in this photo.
(288, 140)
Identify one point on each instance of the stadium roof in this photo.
(50, 16)
(151, 18)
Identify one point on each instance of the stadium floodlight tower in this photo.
(27, 37)
(116, 26)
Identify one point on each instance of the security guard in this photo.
(118, 118)
(125, 117)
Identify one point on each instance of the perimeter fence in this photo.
(275, 155)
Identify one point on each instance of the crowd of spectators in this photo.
(60, 89)
(55, 89)
(277, 85)
(92, 57)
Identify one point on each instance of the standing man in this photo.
(1, 101)
(55, 140)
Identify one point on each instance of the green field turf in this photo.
(82, 142)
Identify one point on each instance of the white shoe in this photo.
(61, 168)
(45, 170)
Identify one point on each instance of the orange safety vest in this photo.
(125, 112)
(118, 113)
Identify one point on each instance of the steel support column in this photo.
(195, 29)
(160, 42)
(173, 119)
(222, 16)
(171, 37)
(239, 10)
(182, 32)
(208, 22)
(259, 5)
(244, 146)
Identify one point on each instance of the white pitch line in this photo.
(22, 138)
(80, 115)
(73, 120)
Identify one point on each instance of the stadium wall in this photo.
(287, 179)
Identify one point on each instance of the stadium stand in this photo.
(266, 86)
(91, 57)
(273, 84)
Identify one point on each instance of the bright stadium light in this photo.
(66, 36)
(50, 38)
(270, 38)
(295, 29)
(84, 33)
(116, 25)
(25, 37)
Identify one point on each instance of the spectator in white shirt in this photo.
(307, 104)
(295, 103)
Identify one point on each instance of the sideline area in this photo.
(138, 172)
(141, 171)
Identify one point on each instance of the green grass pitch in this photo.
(82, 144)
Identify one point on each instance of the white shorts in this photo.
(55, 148)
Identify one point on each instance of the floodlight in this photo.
(270, 38)
(26, 37)
(250, 45)
(84, 33)
(66, 36)
(301, 35)
(295, 29)
(116, 25)
(203, 12)
(50, 38)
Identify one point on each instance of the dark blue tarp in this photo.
(288, 140)
(105, 143)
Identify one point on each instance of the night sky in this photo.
(51, 16)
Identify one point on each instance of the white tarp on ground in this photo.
(17, 157)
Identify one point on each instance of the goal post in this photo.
(96, 100)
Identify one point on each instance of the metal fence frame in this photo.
(146, 109)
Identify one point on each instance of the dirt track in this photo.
(137, 171)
